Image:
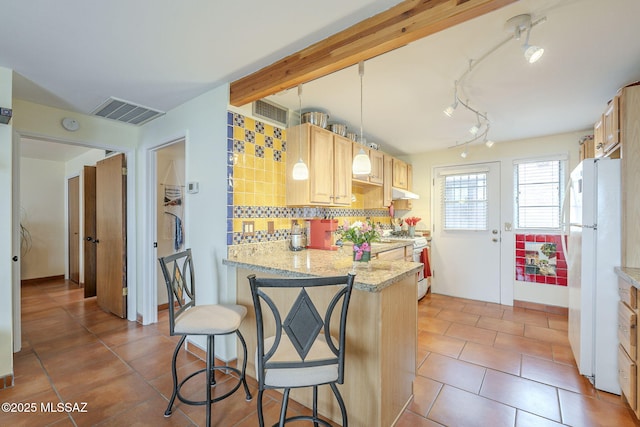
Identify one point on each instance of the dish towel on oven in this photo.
(424, 258)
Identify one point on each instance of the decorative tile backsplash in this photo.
(541, 259)
(256, 177)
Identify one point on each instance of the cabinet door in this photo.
(612, 124)
(342, 161)
(399, 174)
(598, 138)
(377, 167)
(387, 181)
(321, 166)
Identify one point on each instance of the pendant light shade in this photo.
(361, 162)
(300, 170)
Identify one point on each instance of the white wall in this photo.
(6, 229)
(202, 122)
(42, 213)
(505, 153)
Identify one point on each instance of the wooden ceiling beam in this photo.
(396, 27)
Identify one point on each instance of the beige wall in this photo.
(42, 213)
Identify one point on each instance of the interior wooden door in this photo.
(111, 255)
(73, 207)
(89, 210)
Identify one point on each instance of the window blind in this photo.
(538, 188)
(464, 201)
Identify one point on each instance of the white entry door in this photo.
(466, 231)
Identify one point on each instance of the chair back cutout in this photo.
(179, 278)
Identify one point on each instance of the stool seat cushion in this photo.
(210, 319)
(303, 376)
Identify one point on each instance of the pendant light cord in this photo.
(361, 72)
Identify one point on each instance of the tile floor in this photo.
(479, 365)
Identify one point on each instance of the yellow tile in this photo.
(259, 139)
(268, 154)
(259, 187)
(249, 186)
(260, 199)
(238, 198)
(259, 175)
(261, 223)
(249, 175)
(249, 123)
(250, 199)
(259, 163)
(269, 166)
(239, 185)
(249, 161)
(237, 225)
(238, 133)
(277, 144)
(268, 130)
(250, 149)
(239, 172)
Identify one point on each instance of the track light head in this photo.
(532, 53)
(465, 153)
(450, 109)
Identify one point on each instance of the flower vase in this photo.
(412, 230)
(362, 256)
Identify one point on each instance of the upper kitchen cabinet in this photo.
(587, 148)
(376, 177)
(400, 174)
(328, 157)
(612, 124)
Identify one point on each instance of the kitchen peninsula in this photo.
(382, 325)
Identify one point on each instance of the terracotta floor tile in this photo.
(530, 318)
(558, 322)
(523, 345)
(455, 407)
(158, 345)
(433, 324)
(492, 357)
(552, 336)
(506, 326)
(457, 373)
(580, 410)
(555, 374)
(530, 396)
(425, 391)
(29, 379)
(441, 344)
(563, 354)
(65, 342)
(409, 419)
(458, 317)
(525, 419)
(147, 413)
(33, 419)
(471, 333)
(483, 310)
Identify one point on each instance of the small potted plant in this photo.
(411, 222)
(361, 234)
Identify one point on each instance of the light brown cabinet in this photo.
(628, 339)
(400, 174)
(611, 124)
(328, 157)
(587, 148)
(598, 138)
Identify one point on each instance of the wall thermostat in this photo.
(193, 187)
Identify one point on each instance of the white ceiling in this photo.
(74, 54)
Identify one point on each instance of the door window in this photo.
(464, 201)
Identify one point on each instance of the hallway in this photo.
(480, 365)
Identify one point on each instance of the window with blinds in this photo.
(539, 194)
(464, 201)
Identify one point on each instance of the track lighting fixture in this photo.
(300, 170)
(516, 26)
(465, 153)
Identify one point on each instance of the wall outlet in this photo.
(248, 228)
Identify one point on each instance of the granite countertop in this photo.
(276, 258)
(631, 275)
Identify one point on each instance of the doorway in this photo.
(467, 252)
(170, 208)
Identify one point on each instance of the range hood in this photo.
(399, 193)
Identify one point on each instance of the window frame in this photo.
(562, 179)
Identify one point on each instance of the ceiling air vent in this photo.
(125, 111)
(271, 111)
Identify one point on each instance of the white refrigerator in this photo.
(593, 251)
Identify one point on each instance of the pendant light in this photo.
(361, 162)
(300, 169)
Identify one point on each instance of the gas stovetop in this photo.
(418, 241)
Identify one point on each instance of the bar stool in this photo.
(187, 318)
(301, 351)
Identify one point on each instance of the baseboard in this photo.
(40, 280)
(554, 309)
(6, 382)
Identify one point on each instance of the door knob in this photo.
(15, 258)
(494, 239)
(494, 231)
